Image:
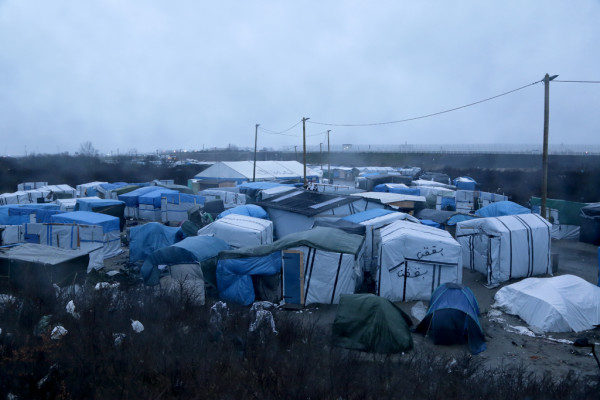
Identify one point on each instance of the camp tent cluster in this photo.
(406, 236)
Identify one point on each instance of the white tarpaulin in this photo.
(240, 230)
(559, 304)
(414, 260)
(230, 199)
(503, 248)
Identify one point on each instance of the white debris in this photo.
(521, 330)
(419, 311)
(118, 338)
(7, 299)
(263, 318)
(58, 332)
(218, 311)
(137, 326)
(496, 316)
(45, 378)
(565, 341)
(106, 285)
(71, 309)
(451, 365)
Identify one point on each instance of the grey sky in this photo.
(149, 75)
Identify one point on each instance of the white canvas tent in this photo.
(243, 171)
(559, 304)
(503, 248)
(25, 197)
(414, 260)
(240, 230)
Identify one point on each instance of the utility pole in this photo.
(328, 160)
(255, 143)
(295, 154)
(304, 149)
(547, 80)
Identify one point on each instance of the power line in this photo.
(430, 115)
(283, 131)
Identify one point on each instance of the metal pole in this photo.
(255, 142)
(328, 160)
(295, 154)
(321, 155)
(547, 79)
(304, 149)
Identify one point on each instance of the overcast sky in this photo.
(147, 75)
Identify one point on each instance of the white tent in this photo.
(60, 190)
(244, 171)
(240, 230)
(414, 260)
(503, 248)
(174, 206)
(370, 200)
(230, 199)
(559, 304)
(24, 197)
(82, 190)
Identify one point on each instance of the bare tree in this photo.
(87, 149)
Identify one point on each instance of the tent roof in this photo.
(501, 208)
(107, 222)
(444, 217)
(306, 202)
(322, 238)
(265, 170)
(387, 197)
(367, 215)
(39, 253)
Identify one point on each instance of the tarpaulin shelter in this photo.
(183, 264)
(145, 239)
(240, 230)
(414, 259)
(559, 304)
(465, 183)
(447, 219)
(250, 210)
(116, 208)
(502, 208)
(17, 214)
(329, 265)
(562, 214)
(109, 224)
(366, 322)
(150, 204)
(503, 248)
(132, 199)
(453, 318)
(174, 206)
(397, 188)
(590, 224)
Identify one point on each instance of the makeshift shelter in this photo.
(113, 190)
(590, 224)
(318, 266)
(503, 248)
(33, 269)
(368, 180)
(253, 190)
(17, 214)
(179, 188)
(59, 191)
(414, 259)
(373, 221)
(453, 318)
(447, 219)
(30, 186)
(366, 322)
(236, 172)
(25, 197)
(340, 223)
(250, 210)
(394, 201)
(240, 230)
(563, 215)
(297, 210)
(132, 199)
(88, 189)
(182, 264)
(174, 206)
(465, 183)
(109, 224)
(559, 304)
(229, 198)
(399, 188)
(145, 239)
(150, 204)
(116, 208)
(502, 208)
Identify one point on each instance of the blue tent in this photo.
(453, 318)
(191, 249)
(502, 208)
(17, 214)
(250, 210)
(107, 222)
(131, 199)
(465, 183)
(145, 239)
(397, 188)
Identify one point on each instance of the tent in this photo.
(33, 269)
(297, 210)
(25, 197)
(503, 248)
(397, 188)
(174, 206)
(230, 198)
(414, 259)
(17, 214)
(253, 190)
(453, 318)
(465, 183)
(590, 224)
(116, 208)
(340, 223)
(110, 228)
(30, 185)
(395, 201)
(559, 304)
(240, 230)
(185, 262)
(150, 204)
(371, 323)
(250, 210)
(447, 219)
(373, 220)
(502, 208)
(564, 216)
(132, 199)
(88, 189)
(244, 171)
(327, 259)
(145, 239)
(60, 191)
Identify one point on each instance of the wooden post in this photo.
(255, 143)
(328, 160)
(547, 80)
(304, 149)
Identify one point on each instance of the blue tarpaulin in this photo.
(502, 208)
(107, 222)
(367, 215)
(131, 199)
(145, 239)
(251, 210)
